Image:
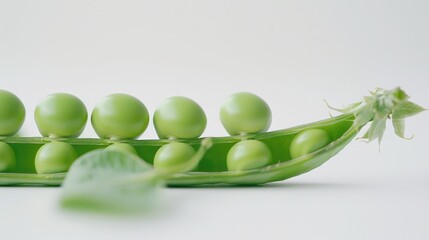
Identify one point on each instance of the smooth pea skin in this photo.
(247, 155)
(308, 141)
(120, 116)
(7, 157)
(172, 154)
(12, 113)
(54, 157)
(244, 113)
(179, 117)
(61, 115)
(122, 147)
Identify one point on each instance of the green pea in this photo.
(54, 157)
(308, 141)
(120, 116)
(122, 147)
(7, 157)
(179, 117)
(247, 155)
(12, 113)
(170, 155)
(61, 115)
(244, 113)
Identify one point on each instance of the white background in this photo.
(294, 54)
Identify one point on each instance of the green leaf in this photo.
(110, 181)
(406, 109)
(402, 111)
(399, 94)
(117, 182)
(399, 126)
(376, 130)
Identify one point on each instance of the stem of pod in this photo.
(380, 106)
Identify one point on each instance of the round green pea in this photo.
(60, 115)
(172, 154)
(244, 113)
(308, 141)
(179, 117)
(54, 157)
(122, 147)
(12, 113)
(120, 116)
(7, 157)
(247, 155)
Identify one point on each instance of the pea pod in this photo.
(212, 169)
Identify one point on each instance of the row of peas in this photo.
(121, 116)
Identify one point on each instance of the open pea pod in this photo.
(339, 128)
(212, 169)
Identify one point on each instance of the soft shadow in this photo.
(160, 207)
(280, 185)
(28, 186)
(318, 185)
